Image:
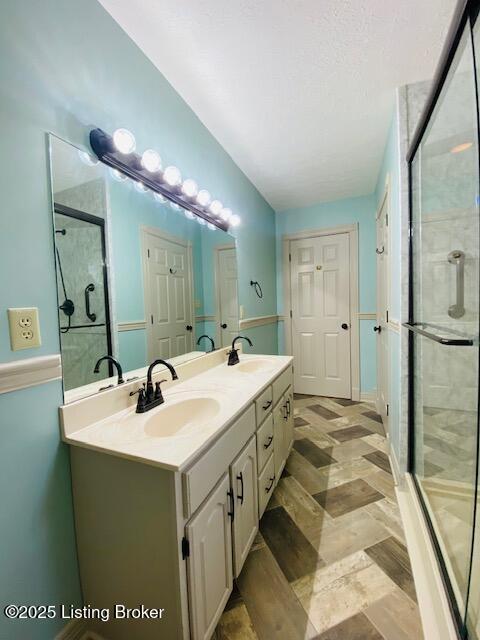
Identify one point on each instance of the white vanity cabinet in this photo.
(209, 564)
(177, 538)
(243, 479)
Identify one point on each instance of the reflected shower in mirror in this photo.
(137, 279)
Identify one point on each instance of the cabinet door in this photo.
(279, 423)
(209, 565)
(243, 474)
(289, 431)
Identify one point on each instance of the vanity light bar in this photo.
(130, 164)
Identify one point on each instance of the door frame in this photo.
(385, 200)
(164, 235)
(217, 249)
(352, 230)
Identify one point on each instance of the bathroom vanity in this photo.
(167, 503)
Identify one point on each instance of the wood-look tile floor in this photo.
(330, 561)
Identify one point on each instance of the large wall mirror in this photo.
(136, 279)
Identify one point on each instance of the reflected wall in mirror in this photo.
(136, 278)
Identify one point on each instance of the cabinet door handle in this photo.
(240, 477)
(288, 408)
(285, 415)
(269, 488)
(231, 513)
(267, 405)
(268, 442)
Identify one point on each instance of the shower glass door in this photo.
(444, 322)
(82, 295)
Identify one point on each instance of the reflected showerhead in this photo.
(62, 231)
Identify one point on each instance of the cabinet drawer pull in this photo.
(240, 477)
(268, 442)
(267, 405)
(231, 513)
(269, 488)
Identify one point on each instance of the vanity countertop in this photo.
(194, 414)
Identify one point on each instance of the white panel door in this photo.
(227, 291)
(243, 476)
(168, 297)
(382, 306)
(320, 289)
(209, 566)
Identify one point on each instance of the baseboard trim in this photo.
(258, 321)
(20, 374)
(437, 621)
(368, 396)
(74, 630)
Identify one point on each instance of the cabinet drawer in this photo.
(283, 381)
(264, 442)
(200, 479)
(266, 484)
(263, 405)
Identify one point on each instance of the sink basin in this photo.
(253, 366)
(172, 419)
(181, 418)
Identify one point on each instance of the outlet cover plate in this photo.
(24, 328)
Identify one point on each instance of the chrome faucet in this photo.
(148, 397)
(116, 364)
(233, 354)
(208, 338)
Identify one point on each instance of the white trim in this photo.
(204, 318)
(367, 316)
(20, 374)
(352, 230)
(433, 602)
(394, 465)
(74, 630)
(394, 325)
(258, 321)
(368, 396)
(384, 202)
(134, 325)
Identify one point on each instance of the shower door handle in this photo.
(457, 258)
(454, 342)
(88, 289)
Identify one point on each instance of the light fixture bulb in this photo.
(204, 198)
(151, 160)
(189, 188)
(175, 206)
(140, 187)
(216, 207)
(235, 221)
(200, 220)
(124, 141)
(211, 226)
(226, 214)
(189, 214)
(118, 175)
(159, 198)
(87, 159)
(172, 176)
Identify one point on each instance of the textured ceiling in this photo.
(299, 92)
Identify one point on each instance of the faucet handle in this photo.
(158, 391)
(140, 391)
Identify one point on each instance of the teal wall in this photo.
(333, 214)
(391, 168)
(66, 66)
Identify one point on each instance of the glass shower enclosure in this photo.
(444, 317)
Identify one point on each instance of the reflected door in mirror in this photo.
(227, 292)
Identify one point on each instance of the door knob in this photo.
(223, 325)
(344, 326)
(379, 329)
(189, 327)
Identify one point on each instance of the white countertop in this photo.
(145, 438)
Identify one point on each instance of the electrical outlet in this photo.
(24, 328)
